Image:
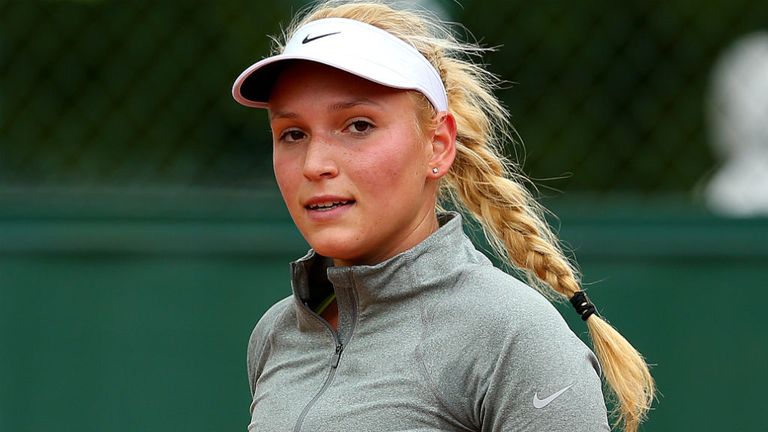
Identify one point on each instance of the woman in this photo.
(396, 321)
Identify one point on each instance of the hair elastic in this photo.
(583, 306)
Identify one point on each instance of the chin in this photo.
(333, 245)
(340, 256)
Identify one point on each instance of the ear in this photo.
(443, 147)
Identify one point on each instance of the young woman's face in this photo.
(351, 163)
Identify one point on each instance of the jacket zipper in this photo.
(334, 363)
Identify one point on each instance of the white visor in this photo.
(352, 46)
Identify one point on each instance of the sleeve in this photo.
(260, 341)
(543, 378)
(510, 362)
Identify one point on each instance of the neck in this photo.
(424, 227)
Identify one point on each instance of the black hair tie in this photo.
(583, 306)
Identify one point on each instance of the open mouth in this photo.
(328, 206)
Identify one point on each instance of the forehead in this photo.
(309, 81)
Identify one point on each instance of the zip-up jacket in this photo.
(433, 339)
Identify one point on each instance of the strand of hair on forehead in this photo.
(492, 191)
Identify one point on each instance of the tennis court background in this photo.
(141, 235)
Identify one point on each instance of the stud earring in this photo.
(435, 170)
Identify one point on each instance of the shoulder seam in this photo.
(425, 371)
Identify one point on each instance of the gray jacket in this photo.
(433, 339)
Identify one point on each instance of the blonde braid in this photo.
(489, 187)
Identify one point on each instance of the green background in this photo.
(141, 235)
(137, 317)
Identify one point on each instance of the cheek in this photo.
(285, 175)
(394, 167)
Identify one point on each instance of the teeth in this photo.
(327, 205)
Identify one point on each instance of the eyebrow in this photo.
(282, 114)
(337, 106)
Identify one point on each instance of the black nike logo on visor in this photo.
(308, 39)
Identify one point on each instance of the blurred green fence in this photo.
(610, 95)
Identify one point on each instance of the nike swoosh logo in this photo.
(541, 403)
(308, 39)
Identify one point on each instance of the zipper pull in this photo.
(337, 355)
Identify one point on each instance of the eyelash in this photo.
(368, 124)
(287, 133)
(285, 136)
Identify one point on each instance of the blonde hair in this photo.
(489, 188)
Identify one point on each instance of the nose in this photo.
(319, 161)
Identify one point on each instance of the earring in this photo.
(435, 170)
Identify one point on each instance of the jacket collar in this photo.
(428, 265)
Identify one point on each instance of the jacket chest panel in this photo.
(377, 380)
